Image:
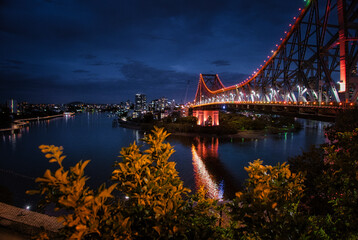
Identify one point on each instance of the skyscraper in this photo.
(140, 102)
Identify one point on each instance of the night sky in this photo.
(102, 51)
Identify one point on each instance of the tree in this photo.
(268, 206)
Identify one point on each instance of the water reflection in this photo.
(204, 178)
(209, 170)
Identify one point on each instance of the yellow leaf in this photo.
(125, 222)
(81, 227)
(238, 194)
(32, 192)
(157, 229)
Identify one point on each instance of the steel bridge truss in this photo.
(315, 62)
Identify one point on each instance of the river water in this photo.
(218, 164)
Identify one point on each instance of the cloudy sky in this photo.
(106, 51)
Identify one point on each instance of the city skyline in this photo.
(106, 52)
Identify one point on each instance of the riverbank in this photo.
(19, 123)
(247, 134)
(193, 131)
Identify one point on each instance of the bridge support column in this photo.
(206, 117)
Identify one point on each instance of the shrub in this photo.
(146, 201)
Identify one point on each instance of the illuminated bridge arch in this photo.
(315, 62)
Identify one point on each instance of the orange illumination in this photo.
(300, 102)
(331, 103)
(340, 103)
(322, 103)
(204, 178)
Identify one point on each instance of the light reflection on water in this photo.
(204, 178)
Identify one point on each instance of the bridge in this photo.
(313, 70)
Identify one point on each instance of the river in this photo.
(218, 164)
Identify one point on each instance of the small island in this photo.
(240, 124)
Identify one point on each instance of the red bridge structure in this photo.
(312, 71)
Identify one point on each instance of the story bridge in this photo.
(313, 70)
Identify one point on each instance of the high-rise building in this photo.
(163, 103)
(140, 102)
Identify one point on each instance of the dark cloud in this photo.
(108, 50)
(155, 82)
(80, 71)
(9, 67)
(97, 64)
(17, 62)
(220, 63)
(88, 56)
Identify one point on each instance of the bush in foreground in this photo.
(147, 199)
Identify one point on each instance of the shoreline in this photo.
(247, 134)
(19, 123)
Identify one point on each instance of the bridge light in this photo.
(331, 103)
(314, 103)
(294, 18)
(281, 39)
(351, 104)
(300, 102)
(340, 104)
(322, 103)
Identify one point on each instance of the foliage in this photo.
(151, 202)
(311, 163)
(153, 186)
(340, 181)
(87, 211)
(331, 186)
(268, 206)
(189, 120)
